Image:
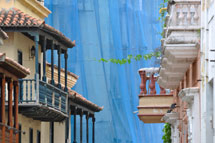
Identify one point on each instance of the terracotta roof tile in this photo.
(16, 18)
(80, 99)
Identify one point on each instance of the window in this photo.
(20, 133)
(20, 57)
(51, 132)
(30, 135)
(38, 136)
(39, 70)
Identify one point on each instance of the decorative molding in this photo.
(171, 118)
(176, 61)
(188, 94)
(149, 71)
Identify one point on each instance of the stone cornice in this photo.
(149, 71)
(188, 94)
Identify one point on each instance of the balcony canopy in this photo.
(15, 20)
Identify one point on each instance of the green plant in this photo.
(130, 57)
(162, 11)
(167, 133)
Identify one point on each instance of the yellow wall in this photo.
(18, 41)
(31, 7)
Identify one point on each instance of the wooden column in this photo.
(59, 66)
(10, 109)
(3, 107)
(65, 58)
(36, 40)
(87, 128)
(75, 112)
(93, 119)
(81, 126)
(44, 59)
(16, 108)
(52, 63)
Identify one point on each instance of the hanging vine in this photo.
(131, 57)
(167, 133)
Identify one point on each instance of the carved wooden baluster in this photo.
(152, 84)
(143, 82)
(162, 90)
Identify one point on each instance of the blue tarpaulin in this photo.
(110, 29)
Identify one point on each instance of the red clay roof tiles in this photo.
(16, 18)
(79, 98)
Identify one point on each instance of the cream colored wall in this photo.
(59, 132)
(18, 41)
(45, 130)
(28, 123)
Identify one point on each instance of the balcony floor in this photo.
(41, 112)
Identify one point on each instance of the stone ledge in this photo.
(188, 94)
(171, 117)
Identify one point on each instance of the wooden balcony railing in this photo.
(49, 95)
(46, 97)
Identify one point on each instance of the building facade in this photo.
(46, 101)
(187, 69)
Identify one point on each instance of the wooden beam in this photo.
(75, 111)
(87, 128)
(66, 58)
(16, 98)
(52, 62)
(10, 109)
(81, 127)
(3, 108)
(7, 73)
(59, 66)
(44, 59)
(93, 119)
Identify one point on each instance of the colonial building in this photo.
(10, 72)
(187, 69)
(46, 101)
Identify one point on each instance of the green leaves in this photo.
(130, 57)
(167, 133)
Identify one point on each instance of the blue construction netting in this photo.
(111, 29)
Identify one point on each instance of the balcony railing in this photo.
(152, 104)
(183, 15)
(45, 95)
(148, 82)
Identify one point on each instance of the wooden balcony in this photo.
(46, 103)
(152, 105)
